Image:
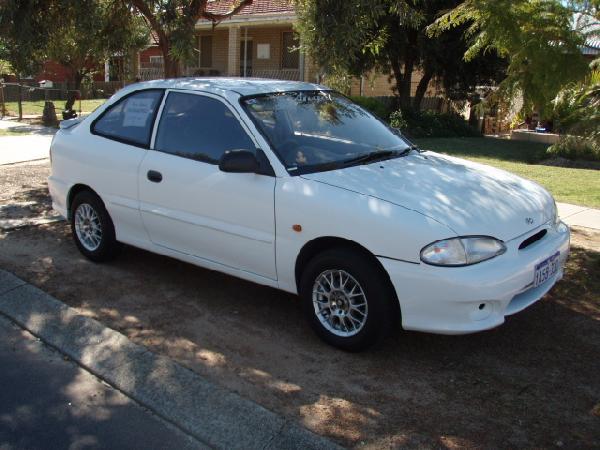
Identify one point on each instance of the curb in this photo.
(215, 416)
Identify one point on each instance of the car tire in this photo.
(337, 316)
(92, 228)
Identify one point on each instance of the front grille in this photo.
(531, 239)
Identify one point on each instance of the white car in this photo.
(293, 186)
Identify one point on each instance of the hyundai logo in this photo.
(529, 220)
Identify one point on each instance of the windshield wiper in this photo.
(365, 158)
(377, 155)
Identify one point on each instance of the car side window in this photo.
(131, 119)
(200, 128)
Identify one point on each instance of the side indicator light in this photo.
(297, 228)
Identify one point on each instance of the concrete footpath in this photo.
(209, 414)
(579, 216)
(48, 401)
(26, 142)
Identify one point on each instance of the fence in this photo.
(27, 99)
(151, 72)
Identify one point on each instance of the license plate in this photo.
(546, 269)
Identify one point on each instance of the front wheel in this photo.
(92, 228)
(347, 299)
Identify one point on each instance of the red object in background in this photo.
(145, 54)
(57, 73)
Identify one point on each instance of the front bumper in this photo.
(460, 300)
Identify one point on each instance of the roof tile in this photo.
(256, 7)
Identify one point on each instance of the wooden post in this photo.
(2, 104)
(19, 100)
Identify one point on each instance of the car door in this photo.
(110, 159)
(190, 206)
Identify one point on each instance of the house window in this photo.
(206, 51)
(290, 59)
(156, 60)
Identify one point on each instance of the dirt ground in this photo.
(533, 382)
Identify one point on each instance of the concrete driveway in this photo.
(33, 144)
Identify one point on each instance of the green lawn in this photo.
(578, 186)
(30, 108)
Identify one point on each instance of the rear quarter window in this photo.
(131, 119)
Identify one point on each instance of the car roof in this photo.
(219, 85)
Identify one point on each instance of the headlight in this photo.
(462, 251)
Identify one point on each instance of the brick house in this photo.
(256, 42)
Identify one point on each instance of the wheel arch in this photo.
(320, 244)
(76, 189)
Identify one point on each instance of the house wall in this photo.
(145, 54)
(273, 37)
(226, 60)
(222, 53)
(220, 43)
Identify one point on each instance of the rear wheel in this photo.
(347, 299)
(92, 228)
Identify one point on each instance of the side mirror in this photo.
(239, 161)
(245, 161)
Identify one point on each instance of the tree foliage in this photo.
(78, 34)
(4, 64)
(85, 33)
(536, 36)
(577, 112)
(577, 107)
(23, 34)
(352, 38)
(172, 23)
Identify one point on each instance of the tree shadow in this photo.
(31, 206)
(28, 130)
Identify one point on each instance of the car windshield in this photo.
(314, 131)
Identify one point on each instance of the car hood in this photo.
(469, 198)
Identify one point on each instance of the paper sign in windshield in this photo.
(137, 112)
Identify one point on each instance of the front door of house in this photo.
(246, 53)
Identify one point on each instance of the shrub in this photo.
(576, 147)
(416, 124)
(375, 106)
(397, 120)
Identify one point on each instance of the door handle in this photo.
(154, 176)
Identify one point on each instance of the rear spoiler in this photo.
(66, 124)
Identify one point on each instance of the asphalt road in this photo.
(47, 401)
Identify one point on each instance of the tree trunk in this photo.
(74, 94)
(403, 77)
(171, 66)
(402, 86)
(409, 65)
(422, 89)
(406, 82)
